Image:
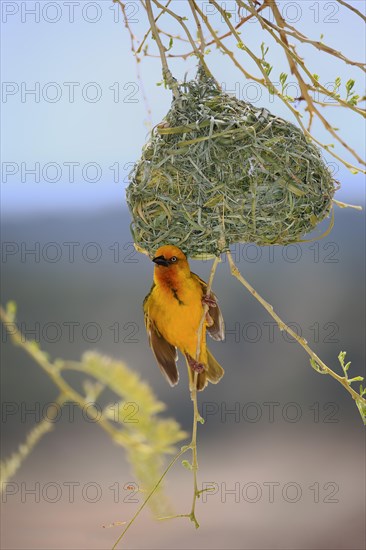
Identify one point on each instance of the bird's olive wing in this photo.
(216, 325)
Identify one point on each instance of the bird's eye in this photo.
(173, 259)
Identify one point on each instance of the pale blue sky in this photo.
(98, 135)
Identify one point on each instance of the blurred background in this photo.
(283, 445)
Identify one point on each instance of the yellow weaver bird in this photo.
(173, 311)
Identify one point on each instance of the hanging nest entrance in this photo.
(219, 171)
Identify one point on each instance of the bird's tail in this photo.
(213, 373)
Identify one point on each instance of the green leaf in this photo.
(187, 464)
(171, 42)
(264, 50)
(341, 358)
(356, 379)
(354, 99)
(268, 68)
(362, 409)
(349, 85)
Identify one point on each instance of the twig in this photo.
(226, 50)
(160, 30)
(282, 326)
(186, 30)
(167, 75)
(156, 486)
(270, 86)
(196, 416)
(10, 466)
(352, 8)
(127, 25)
(135, 54)
(199, 27)
(292, 31)
(223, 36)
(193, 444)
(266, 81)
(54, 373)
(293, 59)
(279, 31)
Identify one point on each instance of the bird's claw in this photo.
(209, 301)
(195, 365)
(198, 367)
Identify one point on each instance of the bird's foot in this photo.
(195, 365)
(209, 301)
(198, 367)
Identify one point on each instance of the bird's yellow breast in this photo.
(177, 311)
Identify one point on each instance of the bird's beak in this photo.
(160, 260)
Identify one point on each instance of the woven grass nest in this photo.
(218, 171)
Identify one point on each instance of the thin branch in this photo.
(237, 26)
(177, 37)
(269, 84)
(282, 326)
(189, 36)
(153, 490)
(215, 38)
(266, 81)
(193, 444)
(196, 416)
(127, 25)
(54, 373)
(199, 27)
(135, 54)
(167, 75)
(11, 465)
(352, 8)
(291, 31)
(293, 58)
(296, 63)
(303, 87)
(221, 46)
